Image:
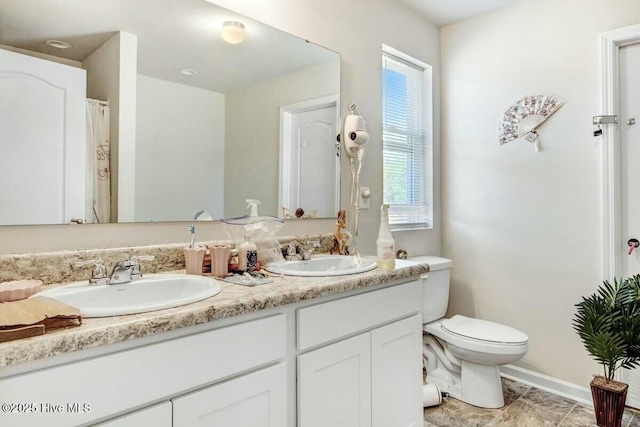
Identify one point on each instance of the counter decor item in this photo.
(220, 260)
(18, 289)
(194, 259)
(608, 323)
(247, 255)
(35, 316)
(342, 236)
(194, 255)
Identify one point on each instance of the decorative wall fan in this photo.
(524, 117)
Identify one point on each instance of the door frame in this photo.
(611, 42)
(286, 114)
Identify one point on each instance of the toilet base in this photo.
(481, 385)
(477, 385)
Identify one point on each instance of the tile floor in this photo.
(524, 407)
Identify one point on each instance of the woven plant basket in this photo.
(609, 397)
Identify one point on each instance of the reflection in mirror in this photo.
(134, 113)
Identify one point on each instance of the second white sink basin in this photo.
(152, 292)
(319, 266)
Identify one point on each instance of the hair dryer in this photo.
(354, 138)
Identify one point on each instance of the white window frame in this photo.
(411, 215)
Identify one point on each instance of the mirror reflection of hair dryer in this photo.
(354, 137)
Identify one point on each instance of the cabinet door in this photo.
(334, 385)
(396, 374)
(258, 399)
(156, 416)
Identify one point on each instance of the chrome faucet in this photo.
(128, 270)
(123, 272)
(308, 248)
(99, 274)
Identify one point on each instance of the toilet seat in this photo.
(484, 331)
(516, 346)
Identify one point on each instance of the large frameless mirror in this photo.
(138, 111)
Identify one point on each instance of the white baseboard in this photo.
(550, 384)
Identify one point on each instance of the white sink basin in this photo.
(320, 266)
(152, 292)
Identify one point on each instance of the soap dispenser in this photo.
(386, 244)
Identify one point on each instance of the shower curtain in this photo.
(98, 147)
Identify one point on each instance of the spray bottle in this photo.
(385, 242)
(253, 205)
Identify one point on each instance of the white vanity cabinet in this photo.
(334, 385)
(258, 399)
(344, 360)
(371, 379)
(156, 416)
(127, 381)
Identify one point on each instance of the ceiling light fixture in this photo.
(58, 44)
(189, 72)
(233, 32)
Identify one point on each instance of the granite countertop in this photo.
(234, 300)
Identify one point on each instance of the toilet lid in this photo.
(484, 330)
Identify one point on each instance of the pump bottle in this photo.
(247, 255)
(386, 244)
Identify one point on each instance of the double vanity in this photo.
(343, 350)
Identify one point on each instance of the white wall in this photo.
(356, 29)
(179, 130)
(111, 76)
(524, 228)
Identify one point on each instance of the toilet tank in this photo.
(435, 292)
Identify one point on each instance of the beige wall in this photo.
(252, 151)
(524, 228)
(356, 29)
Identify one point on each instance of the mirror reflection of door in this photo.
(36, 144)
(310, 158)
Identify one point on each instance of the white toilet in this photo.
(462, 354)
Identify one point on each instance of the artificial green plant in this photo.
(608, 322)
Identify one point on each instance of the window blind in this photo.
(407, 145)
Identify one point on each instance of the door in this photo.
(258, 399)
(629, 57)
(309, 158)
(156, 416)
(334, 385)
(396, 374)
(42, 140)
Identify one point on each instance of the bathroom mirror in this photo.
(195, 123)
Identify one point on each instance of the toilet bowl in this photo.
(462, 354)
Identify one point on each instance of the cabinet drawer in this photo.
(332, 320)
(115, 383)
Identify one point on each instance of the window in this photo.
(407, 140)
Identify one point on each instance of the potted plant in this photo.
(608, 323)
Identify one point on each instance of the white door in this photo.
(258, 399)
(396, 374)
(310, 162)
(334, 385)
(630, 179)
(42, 140)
